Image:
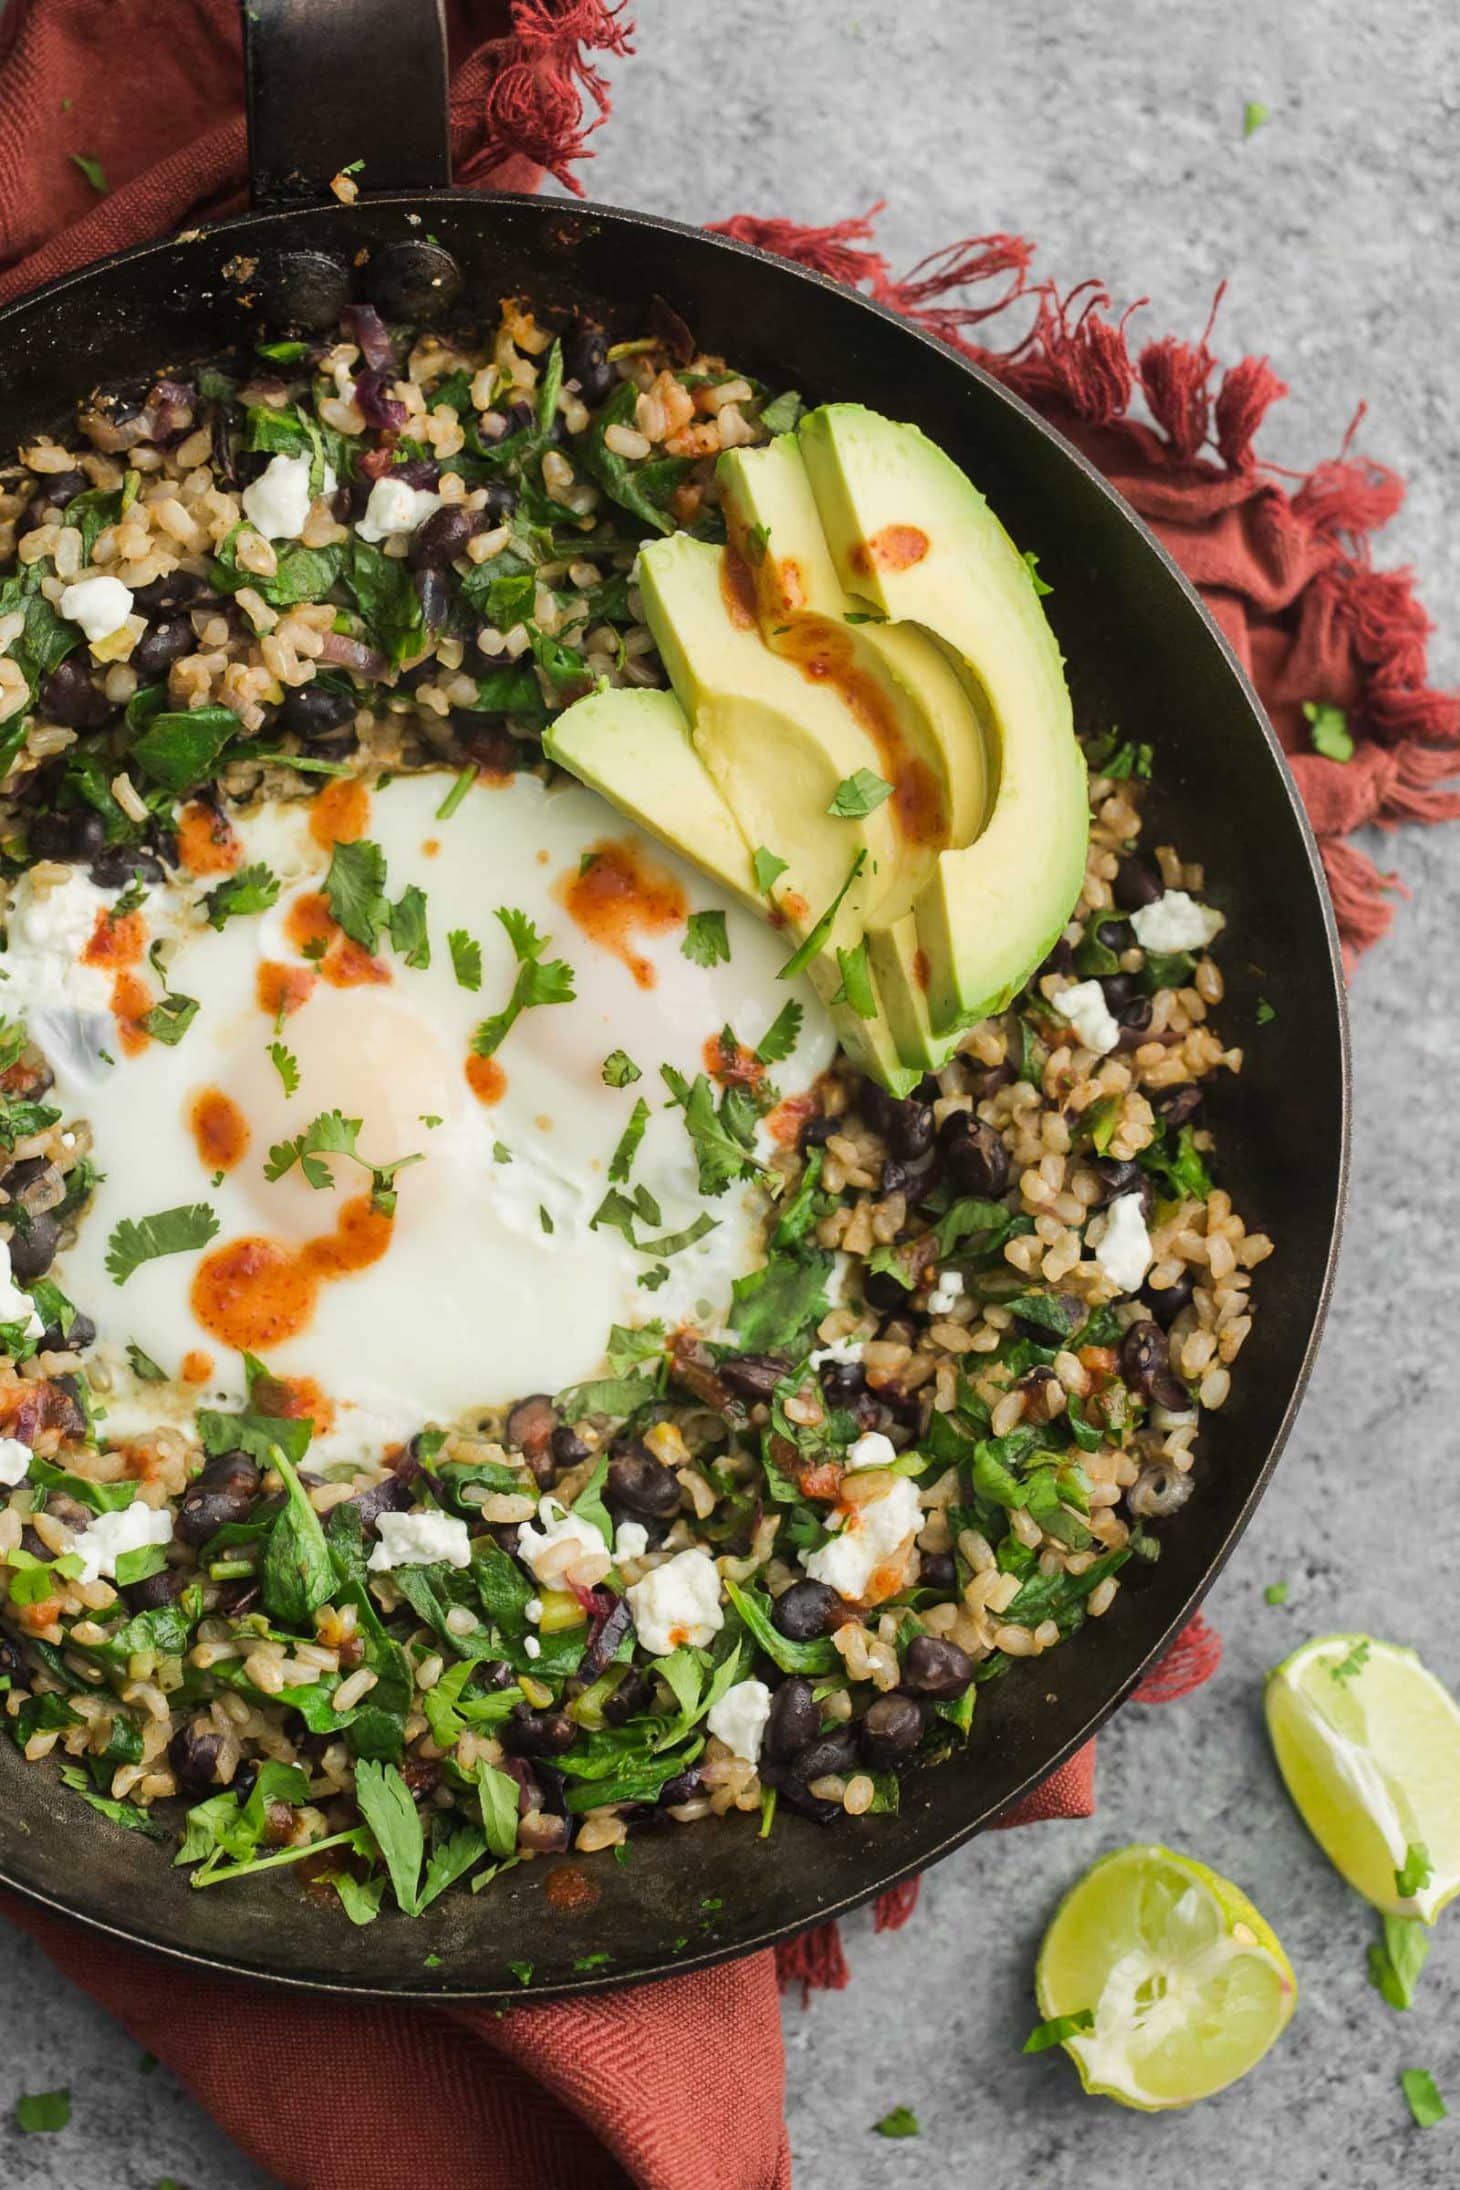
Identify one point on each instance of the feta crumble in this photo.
(113, 1534)
(419, 1539)
(100, 605)
(278, 502)
(870, 1551)
(14, 1461)
(1124, 1249)
(631, 1540)
(945, 1293)
(565, 1549)
(739, 1719)
(872, 1450)
(844, 1350)
(395, 507)
(1088, 1013)
(678, 1602)
(1176, 922)
(16, 1305)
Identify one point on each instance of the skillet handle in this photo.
(331, 82)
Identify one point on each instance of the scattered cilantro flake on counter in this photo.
(252, 890)
(355, 887)
(901, 2122)
(1328, 730)
(1353, 1663)
(38, 2112)
(1057, 2029)
(619, 1069)
(705, 940)
(782, 1035)
(767, 868)
(1423, 2094)
(1254, 114)
(539, 981)
(1395, 1965)
(1276, 1593)
(1416, 1871)
(466, 959)
(286, 1064)
(859, 794)
(92, 169)
(171, 1232)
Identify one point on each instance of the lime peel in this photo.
(1187, 1982)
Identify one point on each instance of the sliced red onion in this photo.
(364, 324)
(375, 406)
(348, 653)
(170, 410)
(609, 1630)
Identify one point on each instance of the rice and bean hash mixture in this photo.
(762, 1560)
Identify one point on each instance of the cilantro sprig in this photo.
(539, 981)
(144, 1239)
(333, 1134)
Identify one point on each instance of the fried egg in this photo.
(451, 1262)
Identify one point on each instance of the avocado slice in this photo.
(634, 748)
(909, 532)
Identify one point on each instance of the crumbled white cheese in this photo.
(872, 1450)
(1176, 922)
(419, 1539)
(840, 1349)
(395, 507)
(49, 927)
(100, 605)
(1085, 1007)
(1124, 1249)
(678, 1602)
(16, 1305)
(870, 1550)
(564, 1550)
(532, 1646)
(631, 1540)
(14, 1461)
(278, 502)
(532, 1610)
(947, 1290)
(112, 1534)
(739, 1718)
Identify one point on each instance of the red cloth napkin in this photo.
(678, 2085)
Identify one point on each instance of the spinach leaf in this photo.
(101, 1497)
(642, 489)
(385, 594)
(384, 1801)
(296, 1573)
(775, 1305)
(498, 1794)
(181, 749)
(754, 1608)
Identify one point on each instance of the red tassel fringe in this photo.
(528, 101)
(1073, 360)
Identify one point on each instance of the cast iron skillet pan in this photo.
(329, 85)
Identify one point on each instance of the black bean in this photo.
(311, 709)
(193, 1754)
(120, 864)
(443, 536)
(876, 1106)
(816, 1131)
(891, 1730)
(33, 1250)
(53, 1340)
(531, 1423)
(501, 500)
(585, 360)
(682, 1788)
(58, 488)
(981, 1085)
(1114, 935)
(222, 1494)
(530, 1733)
(392, 1494)
(933, 1666)
(974, 1155)
(434, 595)
(1176, 1106)
(1167, 1304)
(834, 1752)
(1119, 989)
(631, 1698)
(641, 1484)
(1060, 960)
(896, 1176)
(911, 1131)
(1135, 885)
(1119, 1178)
(161, 646)
(177, 589)
(795, 1718)
(76, 836)
(519, 417)
(806, 1609)
(157, 1589)
(567, 1448)
(752, 1376)
(12, 1665)
(20, 1181)
(237, 1597)
(937, 1570)
(882, 1290)
(69, 697)
(842, 1382)
(1145, 1363)
(1134, 1021)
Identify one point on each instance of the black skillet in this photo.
(330, 84)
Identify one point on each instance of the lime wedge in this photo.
(1368, 1742)
(1185, 1982)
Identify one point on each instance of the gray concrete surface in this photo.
(1113, 134)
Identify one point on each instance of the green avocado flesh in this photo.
(870, 620)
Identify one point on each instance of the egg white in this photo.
(494, 1283)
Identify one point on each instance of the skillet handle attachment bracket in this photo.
(345, 86)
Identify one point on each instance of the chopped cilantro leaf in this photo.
(782, 1035)
(767, 868)
(170, 1017)
(1031, 564)
(457, 793)
(1423, 2094)
(802, 956)
(1057, 2029)
(171, 1232)
(466, 959)
(1416, 1871)
(1266, 1012)
(722, 1134)
(757, 540)
(522, 1971)
(1254, 114)
(539, 981)
(619, 1069)
(901, 2122)
(859, 794)
(1395, 1965)
(355, 887)
(1353, 1663)
(705, 940)
(856, 985)
(144, 1366)
(1276, 1593)
(1328, 730)
(42, 2111)
(407, 924)
(286, 1064)
(252, 890)
(92, 169)
(332, 1134)
(622, 1160)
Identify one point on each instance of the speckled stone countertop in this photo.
(1112, 133)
